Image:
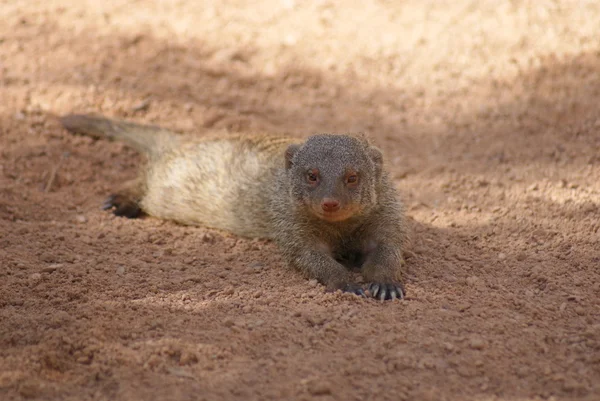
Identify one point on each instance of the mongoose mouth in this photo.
(335, 216)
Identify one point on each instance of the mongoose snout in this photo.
(330, 205)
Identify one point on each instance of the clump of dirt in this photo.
(488, 115)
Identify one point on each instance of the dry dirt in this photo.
(489, 114)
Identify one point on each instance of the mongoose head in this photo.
(334, 177)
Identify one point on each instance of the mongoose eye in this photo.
(312, 176)
(352, 179)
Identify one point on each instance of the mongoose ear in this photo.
(289, 154)
(377, 158)
(363, 138)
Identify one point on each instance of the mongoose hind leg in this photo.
(126, 201)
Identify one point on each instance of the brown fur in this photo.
(257, 186)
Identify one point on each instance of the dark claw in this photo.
(387, 291)
(123, 206)
(108, 203)
(354, 289)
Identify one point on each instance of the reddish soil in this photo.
(489, 115)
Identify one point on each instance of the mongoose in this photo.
(327, 202)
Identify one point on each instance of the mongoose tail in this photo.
(144, 138)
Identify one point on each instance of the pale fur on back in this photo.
(216, 182)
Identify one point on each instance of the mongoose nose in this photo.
(330, 205)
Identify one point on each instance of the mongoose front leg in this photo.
(382, 269)
(126, 201)
(320, 265)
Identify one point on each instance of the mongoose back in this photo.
(327, 201)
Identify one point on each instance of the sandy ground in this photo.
(489, 115)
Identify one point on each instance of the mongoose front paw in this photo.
(387, 291)
(354, 289)
(123, 206)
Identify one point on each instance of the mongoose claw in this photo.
(354, 289)
(122, 206)
(109, 203)
(386, 291)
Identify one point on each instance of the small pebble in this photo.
(51, 268)
(141, 106)
(477, 343)
(35, 277)
(472, 280)
(81, 218)
(318, 387)
(209, 238)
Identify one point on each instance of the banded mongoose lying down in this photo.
(327, 202)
